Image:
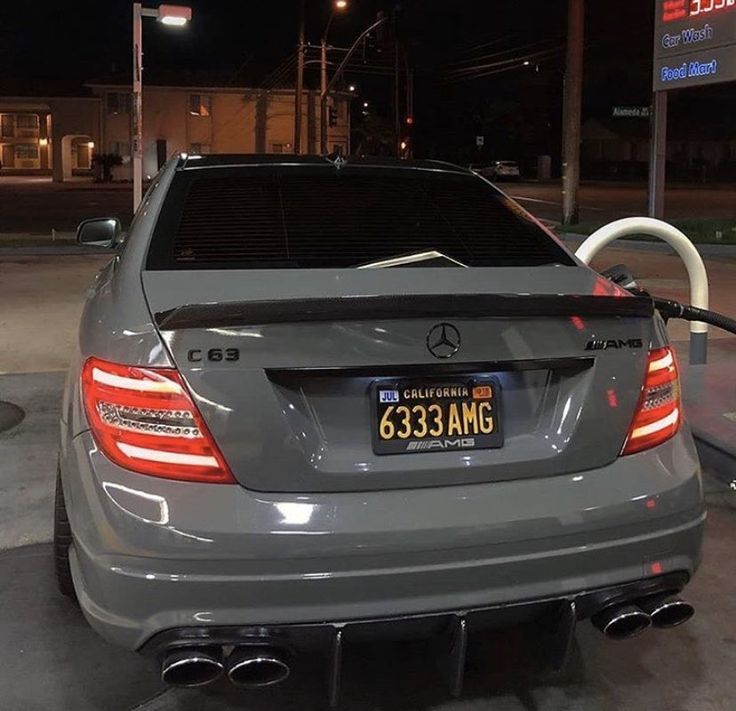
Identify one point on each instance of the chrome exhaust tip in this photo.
(666, 611)
(192, 666)
(256, 667)
(621, 621)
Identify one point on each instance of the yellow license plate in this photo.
(412, 416)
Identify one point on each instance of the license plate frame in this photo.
(384, 390)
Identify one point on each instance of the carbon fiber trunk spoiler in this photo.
(375, 308)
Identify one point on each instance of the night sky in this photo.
(49, 45)
(84, 38)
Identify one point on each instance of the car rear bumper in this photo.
(152, 555)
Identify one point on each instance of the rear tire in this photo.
(62, 541)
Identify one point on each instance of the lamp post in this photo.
(338, 5)
(174, 16)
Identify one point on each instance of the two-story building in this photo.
(59, 135)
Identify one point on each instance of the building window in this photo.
(199, 149)
(200, 105)
(277, 148)
(26, 151)
(26, 125)
(118, 102)
(7, 126)
(26, 155)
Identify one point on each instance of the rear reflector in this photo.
(145, 420)
(659, 412)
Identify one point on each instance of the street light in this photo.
(173, 16)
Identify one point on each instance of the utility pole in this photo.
(658, 156)
(397, 89)
(299, 83)
(573, 101)
(137, 105)
(409, 105)
(323, 98)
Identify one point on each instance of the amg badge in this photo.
(428, 445)
(605, 345)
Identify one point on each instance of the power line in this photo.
(483, 70)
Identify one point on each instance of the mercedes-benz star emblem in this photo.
(443, 340)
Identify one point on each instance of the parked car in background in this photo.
(484, 169)
(497, 170)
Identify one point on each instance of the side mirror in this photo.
(100, 232)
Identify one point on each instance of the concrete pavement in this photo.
(42, 299)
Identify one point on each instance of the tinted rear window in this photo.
(276, 218)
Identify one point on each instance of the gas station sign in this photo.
(695, 43)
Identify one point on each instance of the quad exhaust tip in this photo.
(666, 611)
(194, 666)
(622, 621)
(256, 667)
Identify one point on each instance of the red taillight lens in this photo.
(145, 420)
(659, 413)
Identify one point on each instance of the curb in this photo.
(59, 251)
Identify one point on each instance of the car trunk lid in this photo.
(284, 366)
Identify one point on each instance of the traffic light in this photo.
(333, 116)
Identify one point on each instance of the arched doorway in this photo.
(76, 155)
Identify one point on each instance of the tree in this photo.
(374, 136)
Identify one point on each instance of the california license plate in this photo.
(411, 416)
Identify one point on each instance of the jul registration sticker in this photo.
(388, 396)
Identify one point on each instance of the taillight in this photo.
(144, 419)
(659, 412)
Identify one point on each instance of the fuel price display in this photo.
(673, 10)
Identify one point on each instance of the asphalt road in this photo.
(604, 202)
(36, 205)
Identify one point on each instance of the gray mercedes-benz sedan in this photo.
(318, 397)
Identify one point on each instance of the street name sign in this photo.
(695, 43)
(632, 112)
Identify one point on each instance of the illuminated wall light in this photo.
(43, 141)
(91, 145)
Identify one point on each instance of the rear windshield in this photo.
(309, 218)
